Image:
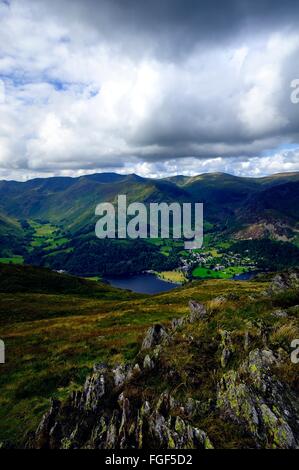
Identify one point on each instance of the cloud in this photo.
(157, 87)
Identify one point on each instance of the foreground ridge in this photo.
(125, 406)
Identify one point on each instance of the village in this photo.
(215, 264)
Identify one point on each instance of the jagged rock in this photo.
(279, 314)
(101, 415)
(220, 299)
(121, 373)
(148, 363)
(197, 311)
(167, 433)
(284, 281)
(121, 427)
(46, 425)
(225, 356)
(95, 387)
(112, 432)
(177, 323)
(227, 347)
(254, 399)
(135, 371)
(154, 336)
(165, 404)
(115, 410)
(194, 408)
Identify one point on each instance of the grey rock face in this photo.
(154, 336)
(197, 311)
(254, 399)
(227, 347)
(120, 374)
(284, 281)
(148, 363)
(279, 314)
(94, 388)
(123, 427)
(102, 415)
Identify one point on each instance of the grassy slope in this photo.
(54, 338)
(11, 236)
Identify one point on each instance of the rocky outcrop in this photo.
(154, 336)
(119, 407)
(284, 281)
(253, 398)
(227, 347)
(279, 314)
(106, 415)
(198, 312)
(107, 420)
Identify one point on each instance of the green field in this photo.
(12, 260)
(47, 236)
(93, 278)
(227, 273)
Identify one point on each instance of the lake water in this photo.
(142, 283)
(245, 276)
(151, 284)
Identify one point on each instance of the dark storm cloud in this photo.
(148, 85)
(170, 28)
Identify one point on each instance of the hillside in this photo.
(71, 201)
(54, 340)
(50, 222)
(271, 212)
(12, 236)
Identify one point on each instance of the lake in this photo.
(142, 283)
(150, 284)
(245, 276)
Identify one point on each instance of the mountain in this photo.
(234, 208)
(64, 199)
(272, 212)
(12, 236)
(72, 201)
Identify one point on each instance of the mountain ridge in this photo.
(235, 208)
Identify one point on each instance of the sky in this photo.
(155, 88)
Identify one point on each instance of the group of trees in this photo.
(268, 254)
(107, 257)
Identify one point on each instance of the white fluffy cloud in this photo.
(76, 102)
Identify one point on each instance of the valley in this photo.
(50, 223)
(58, 316)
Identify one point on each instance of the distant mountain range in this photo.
(235, 207)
